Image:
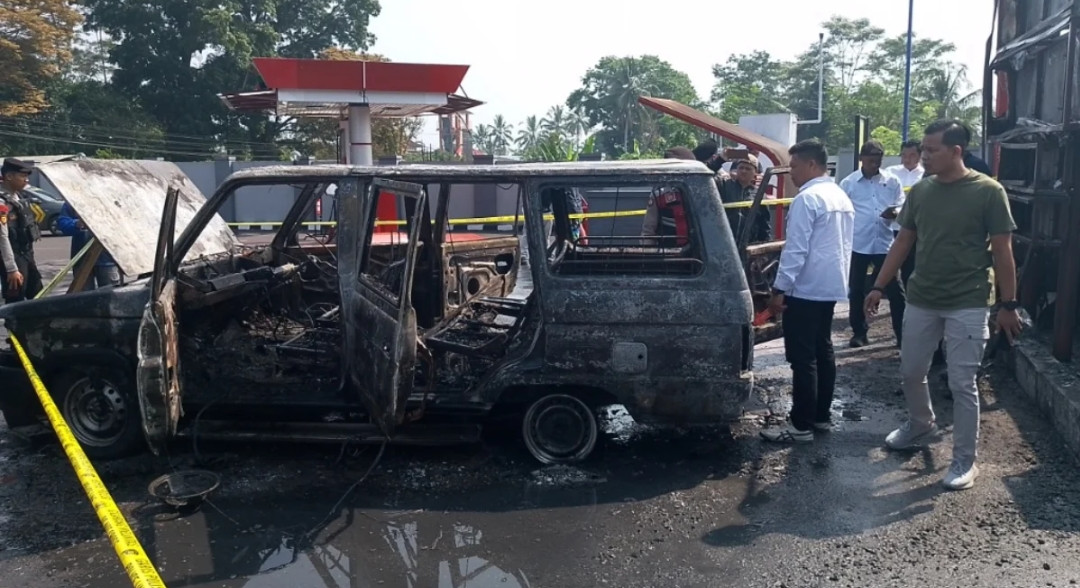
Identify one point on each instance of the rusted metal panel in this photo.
(773, 149)
(121, 202)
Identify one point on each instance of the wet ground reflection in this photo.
(438, 546)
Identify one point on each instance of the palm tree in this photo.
(626, 88)
(578, 124)
(482, 139)
(555, 122)
(945, 90)
(502, 135)
(529, 135)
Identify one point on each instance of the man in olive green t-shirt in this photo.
(963, 225)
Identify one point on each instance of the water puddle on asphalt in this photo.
(486, 540)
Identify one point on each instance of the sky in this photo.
(525, 60)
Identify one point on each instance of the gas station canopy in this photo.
(326, 88)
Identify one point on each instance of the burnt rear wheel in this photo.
(101, 409)
(559, 428)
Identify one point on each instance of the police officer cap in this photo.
(12, 165)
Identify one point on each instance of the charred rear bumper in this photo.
(691, 402)
(17, 400)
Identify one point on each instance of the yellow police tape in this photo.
(488, 220)
(138, 566)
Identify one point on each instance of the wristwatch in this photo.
(1010, 304)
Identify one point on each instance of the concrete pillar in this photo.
(223, 168)
(360, 135)
(343, 140)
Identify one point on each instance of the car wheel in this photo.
(559, 428)
(102, 411)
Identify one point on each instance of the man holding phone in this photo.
(877, 196)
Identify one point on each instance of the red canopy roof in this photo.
(325, 74)
(323, 88)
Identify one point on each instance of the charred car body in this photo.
(396, 328)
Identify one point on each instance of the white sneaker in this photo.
(907, 436)
(788, 434)
(961, 475)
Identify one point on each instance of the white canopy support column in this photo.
(360, 135)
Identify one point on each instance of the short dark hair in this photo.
(872, 148)
(954, 133)
(706, 150)
(911, 144)
(811, 149)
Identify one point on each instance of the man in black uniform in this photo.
(18, 231)
(742, 187)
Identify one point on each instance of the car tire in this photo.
(101, 408)
(560, 429)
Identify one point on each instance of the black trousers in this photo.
(857, 290)
(31, 279)
(809, 350)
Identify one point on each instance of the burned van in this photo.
(397, 315)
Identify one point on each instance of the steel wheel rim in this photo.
(95, 411)
(560, 429)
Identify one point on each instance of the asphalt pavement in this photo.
(653, 507)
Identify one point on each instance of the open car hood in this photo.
(121, 200)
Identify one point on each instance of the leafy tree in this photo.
(35, 45)
(748, 84)
(175, 56)
(85, 116)
(609, 96)
(890, 139)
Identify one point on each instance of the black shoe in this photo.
(859, 341)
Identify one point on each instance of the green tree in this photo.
(502, 135)
(608, 98)
(483, 139)
(175, 56)
(890, 139)
(86, 116)
(529, 135)
(555, 122)
(748, 84)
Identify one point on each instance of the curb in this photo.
(1053, 386)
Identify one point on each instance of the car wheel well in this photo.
(518, 398)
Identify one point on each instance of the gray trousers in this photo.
(966, 332)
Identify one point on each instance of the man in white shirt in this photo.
(811, 279)
(877, 196)
(909, 172)
(910, 169)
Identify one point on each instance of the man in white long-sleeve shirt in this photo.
(812, 278)
(877, 196)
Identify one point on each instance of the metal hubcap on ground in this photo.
(560, 429)
(95, 411)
